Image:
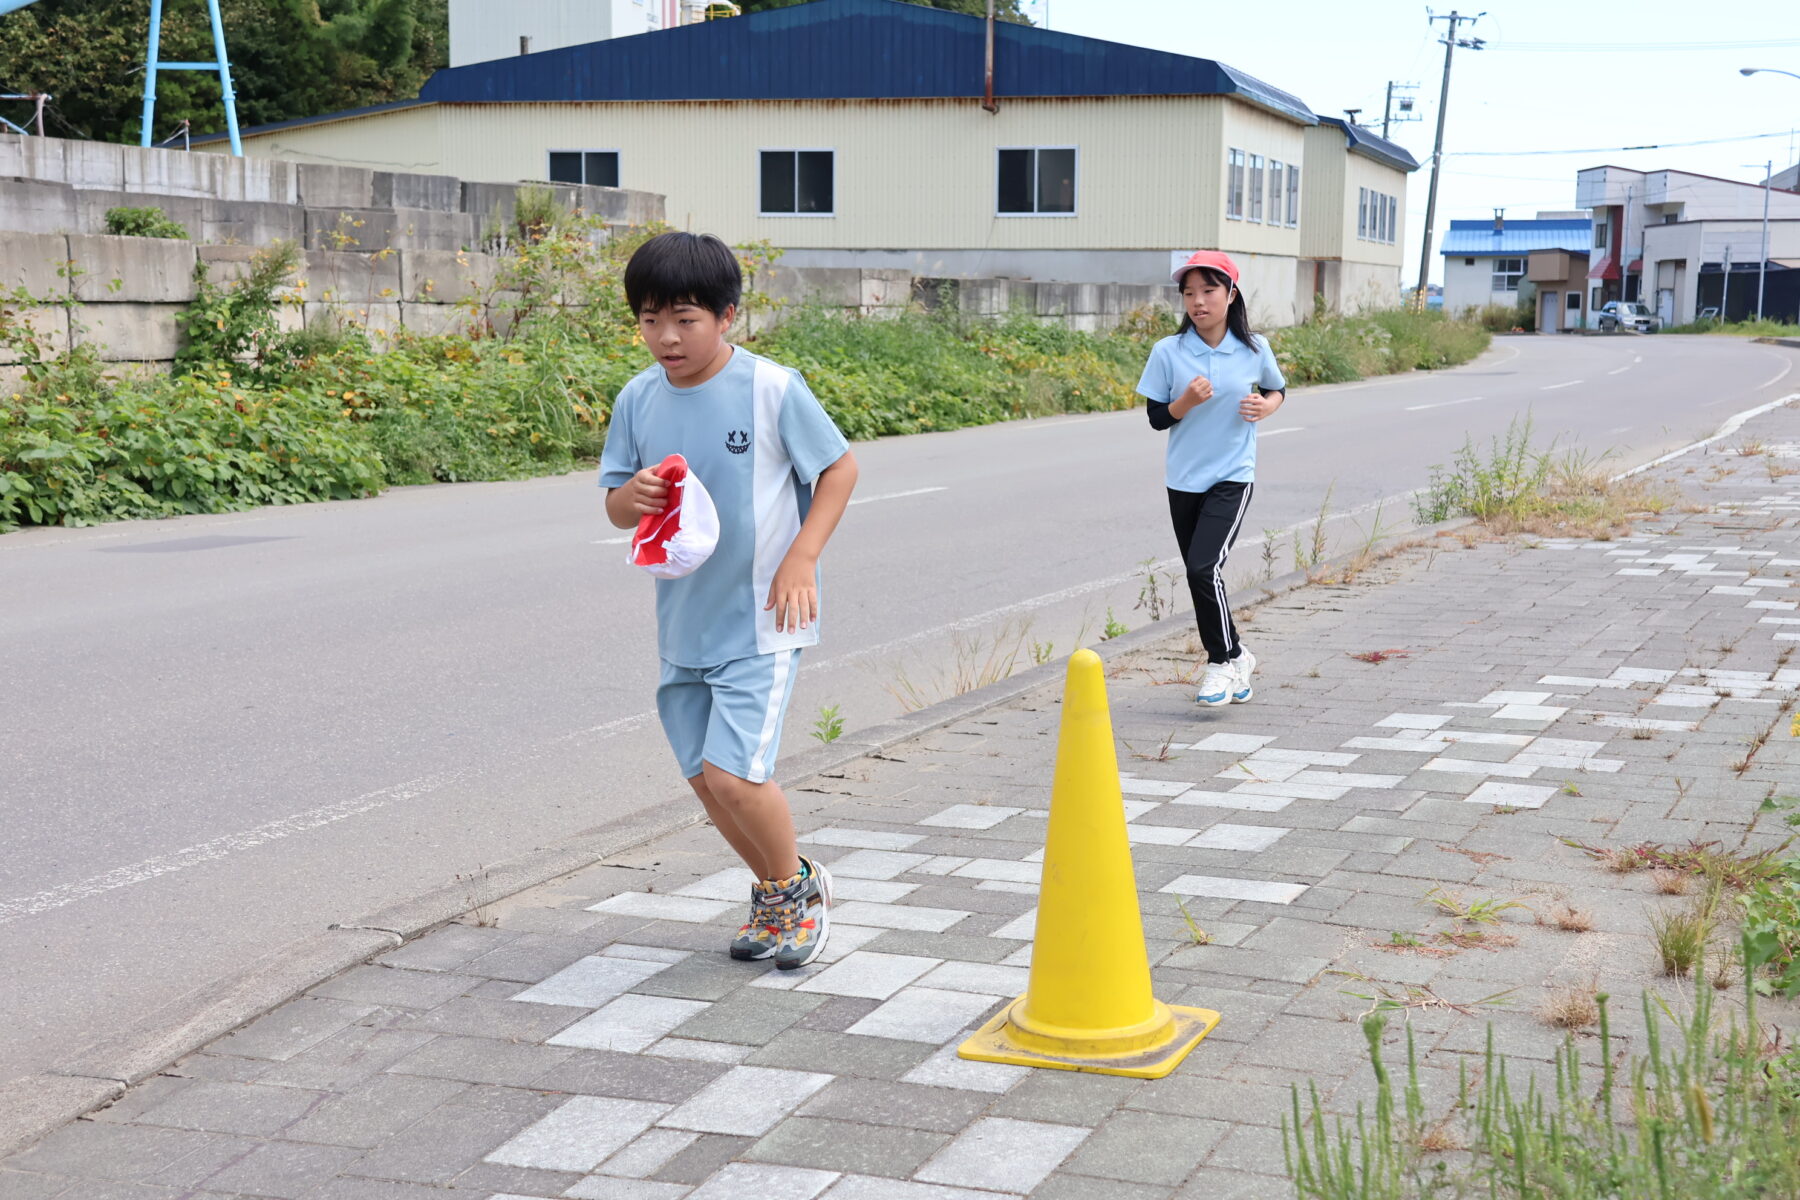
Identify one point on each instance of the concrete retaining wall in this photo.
(55, 185)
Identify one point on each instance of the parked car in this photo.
(1625, 314)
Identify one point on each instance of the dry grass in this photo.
(1621, 860)
(1671, 882)
(1569, 1007)
(1681, 938)
(1570, 919)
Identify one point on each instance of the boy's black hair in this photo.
(1237, 314)
(683, 268)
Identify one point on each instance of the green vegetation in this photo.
(1763, 328)
(1515, 486)
(143, 222)
(258, 414)
(1339, 349)
(1704, 1113)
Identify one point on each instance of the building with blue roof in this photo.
(1489, 262)
(869, 133)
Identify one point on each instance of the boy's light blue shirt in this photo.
(757, 439)
(1213, 443)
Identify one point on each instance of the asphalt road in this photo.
(224, 733)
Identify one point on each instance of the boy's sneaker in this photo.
(800, 911)
(1218, 685)
(1241, 667)
(758, 936)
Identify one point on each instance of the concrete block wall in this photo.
(57, 185)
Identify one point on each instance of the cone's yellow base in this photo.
(1000, 1041)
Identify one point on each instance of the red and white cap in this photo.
(1218, 260)
(675, 541)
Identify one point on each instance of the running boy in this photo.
(730, 633)
(1209, 385)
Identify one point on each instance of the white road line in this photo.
(620, 541)
(1620, 370)
(1732, 424)
(1269, 433)
(1551, 387)
(1443, 403)
(1778, 376)
(898, 495)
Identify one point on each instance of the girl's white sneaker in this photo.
(1217, 685)
(1241, 667)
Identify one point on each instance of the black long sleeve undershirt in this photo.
(1159, 415)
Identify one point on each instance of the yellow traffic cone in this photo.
(1088, 1006)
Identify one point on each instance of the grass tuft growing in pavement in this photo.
(1703, 1114)
(1513, 486)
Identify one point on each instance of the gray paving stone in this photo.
(710, 977)
(375, 1110)
(648, 1152)
(884, 1102)
(764, 1182)
(147, 1095)
(249, 1108)
(395, 988)
(94, 1150)
(578, 1134)
(845, 1054)
(1066, 1097)
(629, 1076)
(750, 1017)
(1003, 1155)
(532, 957)
(285, 1170)
(471, 1017)
(449, 948)
(119, 1190)
(296, 1026)
(346, 1059)
(440, 1145)
(1065, 1185)
(599, 1187)
(481, 1060)
(745, 1101)
(1146, 1147)
(347, 1188)
(703, 1159)
(523, 1183)
(29, 1185)
(845, 1147)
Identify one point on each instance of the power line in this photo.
(1748, 137)
(1637, 47)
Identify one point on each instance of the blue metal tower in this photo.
(153, 65)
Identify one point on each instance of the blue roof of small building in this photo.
(1366, 142)
(848, 50)
(1477, 239)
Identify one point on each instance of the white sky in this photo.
(1337, 54)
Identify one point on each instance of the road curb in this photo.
(33, 1106)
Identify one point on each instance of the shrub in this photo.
(1331, 348)
(143, 222)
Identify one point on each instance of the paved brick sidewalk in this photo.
(589, 1038)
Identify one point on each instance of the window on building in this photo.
(597, 167)
(1393, 220)
(1293, 193)
(798, 182)
(1384, 229)
(1574, 302)
(1600, 235)
(1234, 187)
(1036, 181)
(1507, 274)
(1256, 187)
(1277, 181)
(1362, 212)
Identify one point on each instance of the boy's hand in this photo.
(794, 593)
(647, 492)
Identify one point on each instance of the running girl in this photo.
(1209, 385)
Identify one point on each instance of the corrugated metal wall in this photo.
(918, 174)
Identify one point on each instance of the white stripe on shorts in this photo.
(778, 688)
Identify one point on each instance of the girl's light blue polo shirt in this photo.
(1213, 443)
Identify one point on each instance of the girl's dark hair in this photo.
(683, 268)
(1237, 317)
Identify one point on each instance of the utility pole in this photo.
(1762, 267)
(1406, 106)
(1451, 42)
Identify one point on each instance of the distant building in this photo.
(1674, 239)
(484, 30)
(854, 133)
(1489, 263)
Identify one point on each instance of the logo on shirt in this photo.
(737, 441)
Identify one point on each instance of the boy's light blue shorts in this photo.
(729, 715)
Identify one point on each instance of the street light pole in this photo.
(1451, 42)
(1762, 267)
